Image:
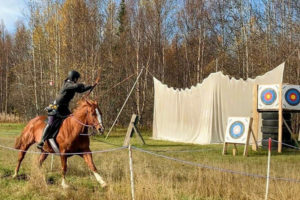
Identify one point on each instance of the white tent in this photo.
(199, 114)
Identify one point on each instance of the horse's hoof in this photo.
(104, 185)
(15, 175)
(64, 185)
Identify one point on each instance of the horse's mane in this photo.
(79, 110)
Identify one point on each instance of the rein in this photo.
(83, 124)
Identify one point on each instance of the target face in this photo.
(237, 129)
(291, 97)
(268, 97)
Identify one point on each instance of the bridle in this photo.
(87, 125)
(83, 124)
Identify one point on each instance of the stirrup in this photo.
(40, 145)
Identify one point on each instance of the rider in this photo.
(59, 110)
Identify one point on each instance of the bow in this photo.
(95, 84)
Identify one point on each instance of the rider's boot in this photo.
(44, 137)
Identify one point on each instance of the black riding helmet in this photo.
(73, 75)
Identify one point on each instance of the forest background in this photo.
(180, 42)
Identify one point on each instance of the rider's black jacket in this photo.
(66, 94)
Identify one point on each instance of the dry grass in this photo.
(9, 118)
(155, 178)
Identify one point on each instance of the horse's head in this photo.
(94, 115)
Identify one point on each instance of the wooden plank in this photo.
(291, 132)
(248, 138)
(234, 150)
(130, 130)
(280, 120)
(255, 140)
(225, 148)
(255, 115)
(139, 134)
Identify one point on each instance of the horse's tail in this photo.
(18, 142)
(27, 136)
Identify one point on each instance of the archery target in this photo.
(291, 97)
(237, 130)
(268, 97)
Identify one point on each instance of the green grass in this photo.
(10, 129)
(155, 178)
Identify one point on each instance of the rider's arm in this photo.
(83, 88)
(78, 87)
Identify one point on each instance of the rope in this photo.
(107, 91)
(288, 57)
(105, 142)
(168, 158)
(195, 150)
(151, 74)
(124, 103)
(288, 145)
(67, 154)
(183, 151)
(215, 168)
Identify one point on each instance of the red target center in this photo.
(268, 96)
(293, 97)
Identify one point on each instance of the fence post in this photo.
(131, 172)
(268, 169)
(52, 162)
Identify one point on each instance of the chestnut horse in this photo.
(69, 138)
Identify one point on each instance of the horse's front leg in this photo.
(64, 171)
(89, 160)
(42, 158)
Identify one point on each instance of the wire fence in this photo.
(219, 169)
(66, 154)
(214, 168)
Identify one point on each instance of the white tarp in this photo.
(199, 114)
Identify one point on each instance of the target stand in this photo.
(277, 97)
(132, 128)
(238, 131)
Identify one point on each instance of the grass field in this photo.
(155, 178)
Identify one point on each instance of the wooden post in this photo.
(280, 120)
(255, 116)
(291, 132)
(52, 157)
(131, 129)
(131, 172)
(225, 148)
(268, 169)
(234, 150)
(248, 138)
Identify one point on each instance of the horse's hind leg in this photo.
(89, 160)
(21, 156)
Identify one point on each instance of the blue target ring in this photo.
(268, 96)
(236, 130)
(292, 97)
